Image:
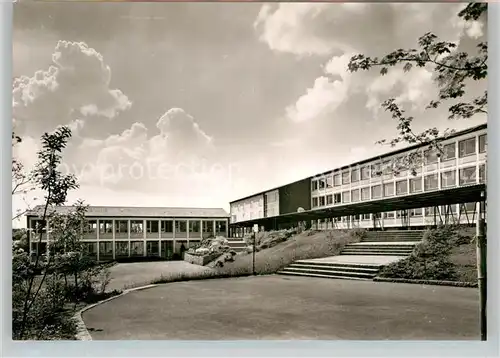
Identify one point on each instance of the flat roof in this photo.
(136, 211)
(381, 156)
(463, 194)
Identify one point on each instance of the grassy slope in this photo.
(464, 259)
(307, 245)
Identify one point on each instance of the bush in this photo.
(423, 269)
(430, 260)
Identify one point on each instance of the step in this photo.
(374, 253)
(389, 240)
(237, 244)
(339, 264)
(322, 276)
(330, 273)
(379, 234)
(368, 270)
(393, 237)
(376, 246)
(377, 249)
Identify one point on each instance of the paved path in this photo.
(279, 307)
(128, 275)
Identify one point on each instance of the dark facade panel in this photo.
(294, 196)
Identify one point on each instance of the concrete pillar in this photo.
(144, 244)
(128, 234)
(173, 236)
(113, 228)
(98, 235)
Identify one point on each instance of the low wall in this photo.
(200, 260)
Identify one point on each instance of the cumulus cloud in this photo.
(414, 89)
(341, 30)
(134, 157)
(75, 86)
(327, 93)
(320, 29)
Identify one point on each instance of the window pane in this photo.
(376, 191)
(167, 226)
(355, 175)
(321, 201)
(389, 189)
(346, 177)
(416, 185)
(105, 226)
(448, 179)
(315, 202)
(136, 226)
(467, 175)
(482, 173)
(387, 167)
(449, 151)
(467, 147)
(365, 172)
(329, 199)
(106, 249)
(430, 156)
(346, 197)
(221, 225)
(401, 187)
(337, 180)
(194, 226)
(416, 212)
(337, 198)
(121, 226)
(355, 195)
(389, 215)
(375, 170)
(208, 226)
(136, 248)
(365, 193)
(152, 226)
(180, 226)
(329, 181)
(483, 143)
(431, 182)
(322, 183)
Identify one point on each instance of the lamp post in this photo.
(255, 230)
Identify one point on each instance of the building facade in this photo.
(112, 233)
(460, 162)
(286, 199)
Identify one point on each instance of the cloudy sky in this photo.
(197, 104)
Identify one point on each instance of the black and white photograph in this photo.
(224, 171)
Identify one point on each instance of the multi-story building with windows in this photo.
(460, 161)
(120, 232)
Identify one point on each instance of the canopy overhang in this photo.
(459, 195)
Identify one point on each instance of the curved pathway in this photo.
(279, 307)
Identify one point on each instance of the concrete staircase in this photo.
(312, 268)
(359, 261)
(393, 235)
(379, 248)
(236, 244)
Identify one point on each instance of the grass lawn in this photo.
(464, 259)
(307, 245)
